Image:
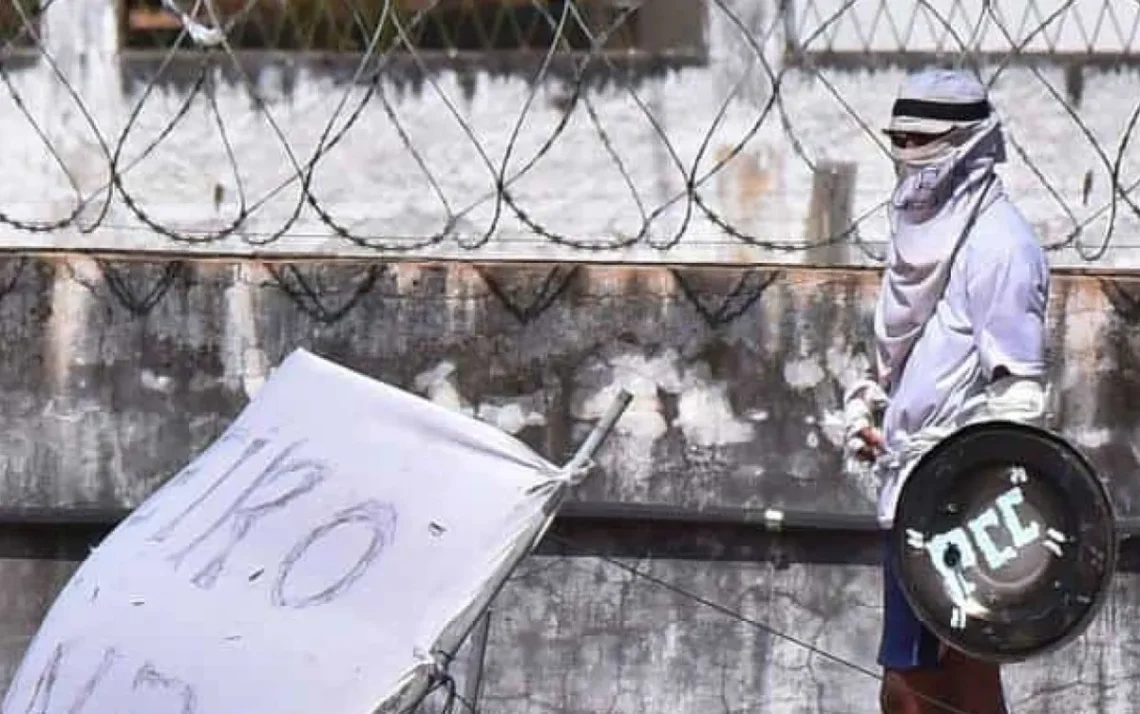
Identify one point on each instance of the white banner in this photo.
(309, 561)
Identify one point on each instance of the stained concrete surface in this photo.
(583, 635)
(125, 369)
(117, 372)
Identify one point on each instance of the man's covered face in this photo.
(930, 166)
(912, 151)
(944, 137)
(935, 115)
(912, 140)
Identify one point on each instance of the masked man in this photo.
(960, 337)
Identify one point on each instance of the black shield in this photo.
(1006, 541)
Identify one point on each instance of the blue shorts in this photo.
(906, 643)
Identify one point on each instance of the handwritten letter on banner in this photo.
(337, 533)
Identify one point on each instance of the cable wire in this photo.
(744, 619)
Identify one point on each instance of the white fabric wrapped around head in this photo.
(941, 184)
(935, 101)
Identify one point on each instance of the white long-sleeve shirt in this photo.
(992, 314)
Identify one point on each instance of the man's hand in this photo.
(868, 444)
(861, 404)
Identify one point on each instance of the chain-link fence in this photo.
(691, 130)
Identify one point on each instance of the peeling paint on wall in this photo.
(804, 373)
(740, 412)
(245, 363)
(705, 414)
(70, 303)
(744, 411)
(1092, 438)
(512, 415)
(438, 385)
(157, 382)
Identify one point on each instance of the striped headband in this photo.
(941, 111)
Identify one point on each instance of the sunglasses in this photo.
(910, 139)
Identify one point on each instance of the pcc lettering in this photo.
(957, 551)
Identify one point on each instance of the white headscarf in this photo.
(942, 187)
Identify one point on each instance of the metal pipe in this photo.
(601, 430)
(769, 519)
(473, 679)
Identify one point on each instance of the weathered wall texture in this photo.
(141, 362)
(125, 368)
(581, 635)
(674, 161)
(119, 371)
(116, 372)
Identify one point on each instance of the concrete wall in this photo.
(207, 147)
(127, 368)
(124, 369)
(119, 370)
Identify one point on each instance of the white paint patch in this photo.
(641, 377)
(1093, 438)
(438, 386)
(845, 366)
(704, 413)
(510, 414)
(511, 417)
(669, 649)
(864, 477)
(407, 277)
(156, 382)
(756, 415)
(803, 373)
(1134, 444)
(773, 518)
(70, 300)
(243, 361)
(1086, 318)
(812, 440)
(775, 310)
(833, 426)
(71, 412)
(629, 449)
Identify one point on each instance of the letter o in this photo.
(380, 517)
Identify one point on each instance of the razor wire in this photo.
(273, 124)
